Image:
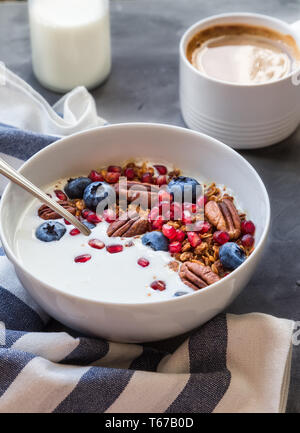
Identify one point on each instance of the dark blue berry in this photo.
(180, 293)
(75, 187)
(96, 192)
(185, 189)
(50, 231)
(231, 255)
(156, 240)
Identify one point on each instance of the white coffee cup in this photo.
(242, 116)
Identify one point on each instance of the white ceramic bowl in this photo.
(242, 116)
(197, 155)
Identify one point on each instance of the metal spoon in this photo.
(24, 183)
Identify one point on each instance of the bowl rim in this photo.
(51, 147)
(193, 29)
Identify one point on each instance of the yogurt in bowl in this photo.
(111, 294)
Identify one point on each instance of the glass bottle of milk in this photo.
(70, 42)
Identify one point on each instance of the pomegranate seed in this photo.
(85, 213)
(114, 169)
(143, 262)
(169, 231)
(112, 177)
(175, 247)
(191, 207)
(95, 176)
(158, 223)
(164, 195)
(109, 215)
(129, 173)
(180, 235)
(158, 285)
(248, 227)
(66, 222)
(112, 249)
(93, 218)
(202, 227)
(194, 239)
(176, 211)
(60, 195)
(164, 210)
(83, 258)
(74, 232)
(161, 169)
(96, 243)
(202, 200)
(247, 241)
(161, 180)
(221, 237)
(147, 177)
(153, 214)
(187, 218)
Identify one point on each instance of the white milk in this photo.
(70, 42)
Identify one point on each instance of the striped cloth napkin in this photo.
(231, 364)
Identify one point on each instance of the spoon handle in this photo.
(24, 183)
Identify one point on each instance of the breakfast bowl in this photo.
(195, 154)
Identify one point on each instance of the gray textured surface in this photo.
(143, 86)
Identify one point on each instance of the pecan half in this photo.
(143, 193)
(197, 276)
(132, 225)
(47, 213)
(224, 216)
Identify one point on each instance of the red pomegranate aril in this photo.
(85, 213)
(202, 227)
(60, 194)
(221, 237)
(161, 169)
(169, 231)
(158, 285)
(180, 235)
(112, 249)
(147, 177)
(109, 215)
(202, 200)
(114, 169)
(83, 258)
(247, 241)
(175, 247)
(186, 217)
(158, 223)
(129, 173)
(66, 222)
(161, 180)
(176, 211)
(153, 214)
(112, 177)
(191, 207)
(95, 176)
(143, 262)
(164, 195)
(93, 218)
(194, 239)
(96, 243)
(247, 227)
(74, 232)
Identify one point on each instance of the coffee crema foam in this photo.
(243, 54)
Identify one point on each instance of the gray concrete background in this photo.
(143, 86)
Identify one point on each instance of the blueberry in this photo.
(89, 225)
(96, 192)
(184, 187)
(180, 293)
(75, 187)
(50, 231)
(156, 240)
(231, 255)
